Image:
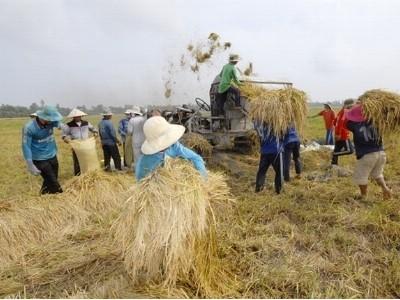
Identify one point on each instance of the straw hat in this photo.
(128, 112)
(76, 113)
(49, 113)
(136, 111)
(233, 58)
(160, 135)
(33, 115)
(327, 104)
(355, 114)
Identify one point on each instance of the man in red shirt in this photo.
(343, 145)
(329, 117)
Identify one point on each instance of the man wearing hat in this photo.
(40, 150)
(343, 145)
(109, 142)
(77, 129)
(135, 128)
(123, 131)
(371, 157)
(329, 117)
(162, 142)
(229, 83)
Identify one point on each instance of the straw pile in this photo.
(166, 233)
(92, 196)
(197, 143)
(383, 109)
(280, 108)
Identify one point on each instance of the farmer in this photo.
(135, 128)
(329, 117)
(109, 142)
(229, 83)
(77, 129)
(153, 113)
(343, 145)
(371, 157)
(40, 150)
(271, 154)
(123, 131)
(162, 142)
(291, 143)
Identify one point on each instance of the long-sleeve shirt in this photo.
(341, 132)
(329, 118)
(148, 163)
(135, 128)
(38, 140)
(229, 75)
(270, 144)
(123, 128)
(77, 131)
(107, 133)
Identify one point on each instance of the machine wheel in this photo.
(202, 104)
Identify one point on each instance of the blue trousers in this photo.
(329, 137)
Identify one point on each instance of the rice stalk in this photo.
(197, 143)
(279, 108)
(166, 232)
(382, 108)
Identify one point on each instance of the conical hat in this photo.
(76, 113)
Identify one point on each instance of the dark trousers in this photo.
(291, 149)
(123, 149)
(49, 173)
(77, 168)
(221, 98)
(265, 161)
(342, 147)
(111, 151)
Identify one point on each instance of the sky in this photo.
(117, 52)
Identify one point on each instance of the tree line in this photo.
(13, 111)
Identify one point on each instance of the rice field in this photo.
(315, 240)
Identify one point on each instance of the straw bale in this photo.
(383, 109)
(197, 143)
(166, 232)
(280, 108)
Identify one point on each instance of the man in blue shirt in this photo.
(271, 154)
(371, 157)
(109, 142)
(291, 147)
(162, 142)
(123, 131)
(40, 150)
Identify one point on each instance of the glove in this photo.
(67, 139)
(95, 134)
(32, 168)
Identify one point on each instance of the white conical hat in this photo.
(76, 113)
(160, 135)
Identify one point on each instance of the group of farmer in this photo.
(371, 158)
(148, 139)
